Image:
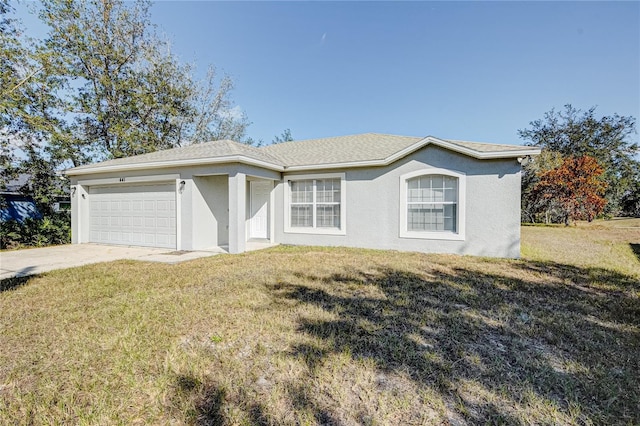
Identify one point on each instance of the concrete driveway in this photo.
(20, 263)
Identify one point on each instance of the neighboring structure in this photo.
(15, 203)
(18, 207)
(370, 190)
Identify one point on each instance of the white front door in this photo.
(259, 209)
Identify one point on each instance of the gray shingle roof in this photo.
(486, 147)
(341, 149)
(215, 149)
(366, 148)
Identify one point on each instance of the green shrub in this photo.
(50, 230)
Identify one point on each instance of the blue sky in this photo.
(462, 70)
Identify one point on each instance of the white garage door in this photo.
(142, 215)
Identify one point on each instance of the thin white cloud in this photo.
(323, 38)
(234, 113)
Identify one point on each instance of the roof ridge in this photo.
(395, 136)
(231, 144)
(309, 140)
(338, 137)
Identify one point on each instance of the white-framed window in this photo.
(432, 204)
(315, 204)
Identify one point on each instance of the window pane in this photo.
(431, 217)
(432, 189)
(437, 181)
(450, 182)
(301, 191)
(451, 195)
(418, 218)
(414, 194)
(416, 189)
(328, 190)
(451, 189)
(437, 195)
(437, 212)
(328, 216)
(302, 216)
(450, 217)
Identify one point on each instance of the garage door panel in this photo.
(163, 239)
(163, 206)
(133, 215)
(164, 223)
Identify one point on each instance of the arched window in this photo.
(432, 204)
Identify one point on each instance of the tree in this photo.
(285, 136)
(631, 200)
(12, 54)
(217, 118)
(575, 187)
(101, 85)
(532, 204)
(573, 132)
(124, 93)
(27, 102)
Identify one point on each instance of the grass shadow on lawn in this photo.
(636, 250)
(14, 283)
(488, 343)
(382, 340)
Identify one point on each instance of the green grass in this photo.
(332, 336)
(611, 244)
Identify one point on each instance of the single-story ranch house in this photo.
(370, 190)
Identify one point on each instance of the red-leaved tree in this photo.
(575, 187)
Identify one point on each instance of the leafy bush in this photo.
(50, 230)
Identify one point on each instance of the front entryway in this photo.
(259, 194)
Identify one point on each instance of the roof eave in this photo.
(177, 163)
(466, 151)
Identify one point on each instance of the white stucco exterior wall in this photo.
(237, 212)
(203, 236)
(373, 207)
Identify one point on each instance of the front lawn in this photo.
(330, 336)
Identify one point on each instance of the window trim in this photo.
(460, 211)
(315, 230)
